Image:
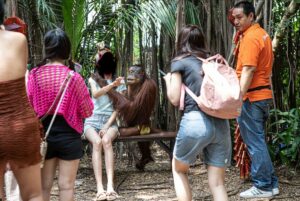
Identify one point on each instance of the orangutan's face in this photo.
(135, 75)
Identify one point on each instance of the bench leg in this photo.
(165, 147)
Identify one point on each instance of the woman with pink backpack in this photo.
(198, 131)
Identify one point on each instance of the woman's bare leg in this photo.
(2, 170)
(94, 138)
(48, 174)
(30, 189)
(107, 139)
(181, 182)
(216, 177)
(66, 179)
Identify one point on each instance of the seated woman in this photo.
(101, 128)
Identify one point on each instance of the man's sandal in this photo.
(101, 196)
(111, 195)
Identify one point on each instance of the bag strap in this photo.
(185, 88)
(60, 96)
(182, 94)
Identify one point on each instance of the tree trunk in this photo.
(154, 68)
(180, 18)
(35, 36)
(142, 60)
(292, 69)
(11, 8)
(208, 24)
(280, 32)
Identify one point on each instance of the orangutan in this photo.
(136, 112)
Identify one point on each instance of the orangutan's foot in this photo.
(140, 165)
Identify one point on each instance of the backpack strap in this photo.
(185, 88)
(182, 95)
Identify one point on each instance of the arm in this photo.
(246, 78)
(173, 84)
(96, 93)
(111, 120)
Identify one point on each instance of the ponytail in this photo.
(71, 64)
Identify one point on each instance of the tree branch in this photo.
(258, 7)
(280, 32)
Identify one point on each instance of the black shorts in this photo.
(63, 141)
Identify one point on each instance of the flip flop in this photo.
(101, 196)
(111, 195)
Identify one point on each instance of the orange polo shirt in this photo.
(256, 50)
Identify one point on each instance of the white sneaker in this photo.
(275, 191)
(256, 193)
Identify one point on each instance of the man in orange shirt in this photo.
(254, 68)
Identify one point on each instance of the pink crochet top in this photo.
(43, 85)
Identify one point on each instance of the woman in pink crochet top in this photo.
(64, 141)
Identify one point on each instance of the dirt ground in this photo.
(156, 182)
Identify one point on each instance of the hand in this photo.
(118, 81)
(102, 132)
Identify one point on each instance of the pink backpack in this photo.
(220, 93)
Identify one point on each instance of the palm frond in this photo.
(74, 15)
(192, 13)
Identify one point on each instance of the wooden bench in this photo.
(160, 138)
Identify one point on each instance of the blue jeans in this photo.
(252, 125)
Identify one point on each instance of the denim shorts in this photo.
(97, 121)
(200, 133)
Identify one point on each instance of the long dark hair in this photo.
(106, 64)
(191, 41)
(2, 2)
(57, 45)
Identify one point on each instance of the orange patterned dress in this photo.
(19, 127)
